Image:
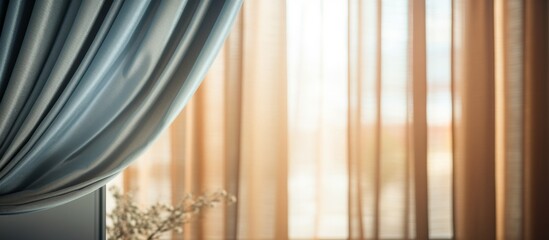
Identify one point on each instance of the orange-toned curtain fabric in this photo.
(522, 114)
(383, 119)
(500, 117)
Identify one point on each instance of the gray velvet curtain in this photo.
(86, 85)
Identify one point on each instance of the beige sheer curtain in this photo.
(381, 119)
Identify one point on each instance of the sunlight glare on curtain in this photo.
(317, 90)
(394, 78)
(439, 117)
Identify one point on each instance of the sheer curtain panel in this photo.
(368, 119)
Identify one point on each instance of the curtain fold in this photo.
(418, 146)
(387, 119)
(86, 85)
(474, 117)
(509, 34)
(536, 117)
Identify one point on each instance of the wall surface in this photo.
(81, 219)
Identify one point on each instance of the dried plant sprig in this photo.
(129, 222)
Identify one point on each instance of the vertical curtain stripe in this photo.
(199, 156)
(475, 125)
(351, 81)
(192, 156)
(536, 119)
(233, 123)
(360, 143)
(509, 117)
(356, 225)
(264, 149)
(453, 93)
(409, 175)
(419, 130)
(177, 161)
(500, 23)
(377, 147)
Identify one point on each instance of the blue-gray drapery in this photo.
(86, 85)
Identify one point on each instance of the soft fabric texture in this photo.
(382, 119)
(86, 85)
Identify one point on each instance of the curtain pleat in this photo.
(509, 118)
(419, 118)
(378, 119)
(536, 117)
(355, 200)
(234, 68)
(264, 149)
(86, 85)
(474, 162)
